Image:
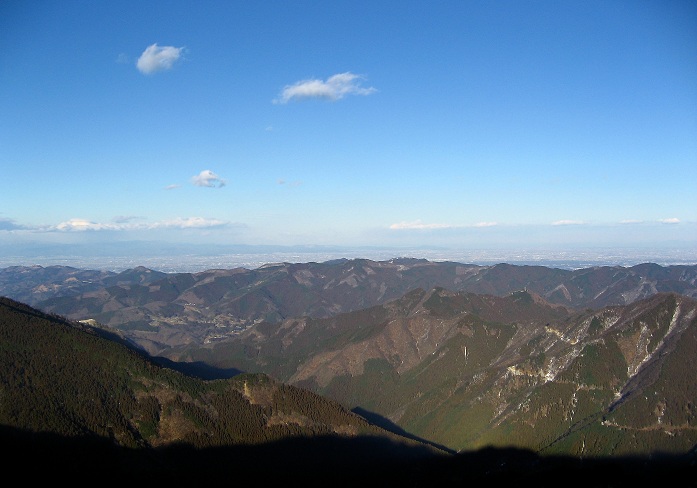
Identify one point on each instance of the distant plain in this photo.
(201, 258)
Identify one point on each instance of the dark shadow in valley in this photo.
(387, 424)
(323, 461)
(197, 369)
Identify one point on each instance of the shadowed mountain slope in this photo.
(70, 384)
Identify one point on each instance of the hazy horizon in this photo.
(192, 258)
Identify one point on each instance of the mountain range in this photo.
(595, 363)
(161, 310)
(80, 405)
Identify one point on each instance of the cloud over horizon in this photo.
(568, 222)
(9, 224)
(188, 223)
(208, 179)
(158, 58)
(335, 88)
(83, 225)
(79, 225)
(418, 225)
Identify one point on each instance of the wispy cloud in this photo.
(158, 58)
(418, 225)
(334, 88)
(208, 178)
(630, 221)
(123, 219)
(568, 222)
(281, 181)
(189, 223)
(172, 186)
(670, 221)
(9, 224)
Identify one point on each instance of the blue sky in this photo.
(457, 124)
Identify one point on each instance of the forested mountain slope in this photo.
(77, 400)
(468, 371)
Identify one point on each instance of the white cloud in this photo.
(158, 58)
(172, 187)
(208, 178)
(335, 88)
(418, 225)
(125, 224)
(630, 221)
(485, 224)
(83, 225)
(568, 222)
(670, 221)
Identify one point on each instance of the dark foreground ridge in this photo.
(324, 461)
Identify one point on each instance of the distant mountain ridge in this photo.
(160, 310)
